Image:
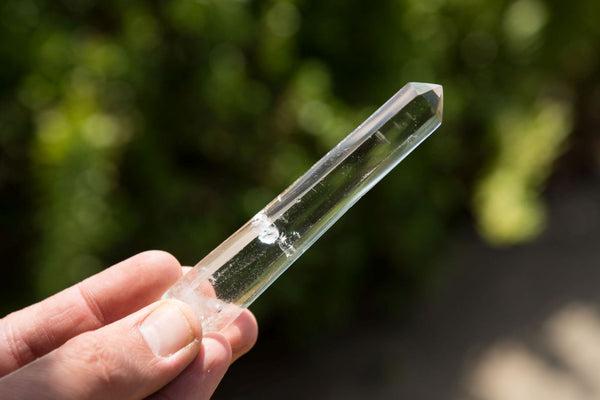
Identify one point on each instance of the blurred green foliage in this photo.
(126, 126)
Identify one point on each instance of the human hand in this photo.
(109, 338)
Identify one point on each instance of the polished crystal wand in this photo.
(235, 273)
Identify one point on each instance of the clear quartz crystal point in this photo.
(235, 273)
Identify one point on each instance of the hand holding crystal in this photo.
(109, 337)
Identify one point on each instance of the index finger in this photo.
(99, 300)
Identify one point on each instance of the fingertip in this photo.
(168, 265)
(242, 334)
(217, 353)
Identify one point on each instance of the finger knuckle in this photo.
(91, 352)
(18, 352)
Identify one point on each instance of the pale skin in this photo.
(110, 337)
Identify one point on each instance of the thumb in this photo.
(128, 359)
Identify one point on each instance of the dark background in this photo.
(167, 124)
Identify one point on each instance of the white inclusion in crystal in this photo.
(267, 231)
(285, 243)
